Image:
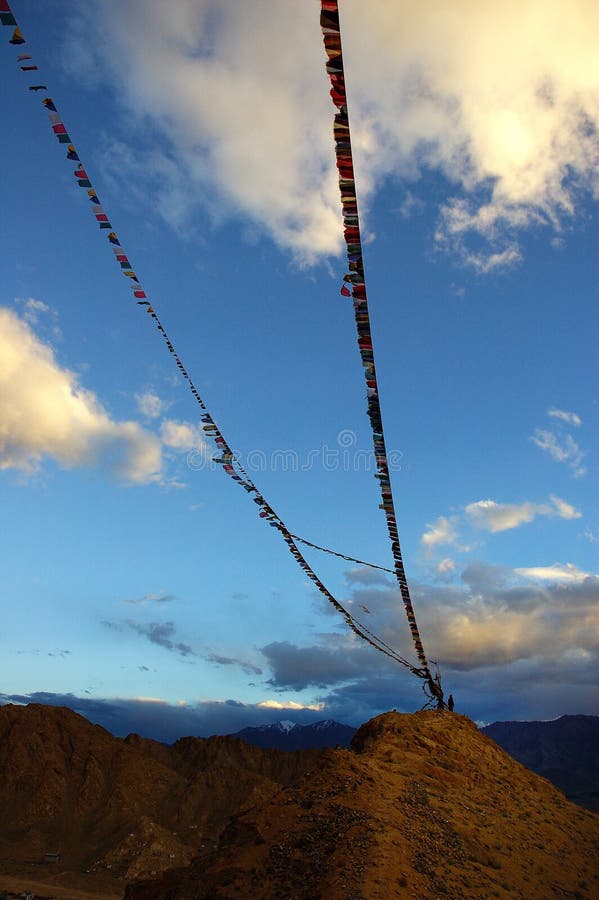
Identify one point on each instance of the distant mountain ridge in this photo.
(286, 735)
(564, 750)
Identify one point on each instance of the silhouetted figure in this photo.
(450, 703)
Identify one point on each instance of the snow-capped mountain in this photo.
(287, 735)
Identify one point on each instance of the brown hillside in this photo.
(118, 809)
(426, 807)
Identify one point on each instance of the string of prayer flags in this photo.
(227, 459)
(329, 22)
(360, 562)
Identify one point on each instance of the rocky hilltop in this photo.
(423, 806)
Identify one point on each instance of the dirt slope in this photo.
(118, 809)
(425, 807)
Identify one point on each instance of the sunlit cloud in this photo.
(491, 516)
(442, 531)
(182, 436)
(557, 572)
(288, 704)
(46, 413)
(446, 566)
(500, 103)
(149, 404)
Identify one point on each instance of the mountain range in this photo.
(564, 750)
(287, 735)
(422, 805)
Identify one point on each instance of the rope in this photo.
(230, 464)
(329, 22)
(341, 555)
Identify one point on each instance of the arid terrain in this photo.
(424, 806)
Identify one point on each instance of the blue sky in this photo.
(140, 587)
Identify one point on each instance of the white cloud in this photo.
(565, 510)
(45, 412)
(562, 449)
(557, 572)
(492, 516)
(570, 418)
(441, 531)
(446, 566)
(182, 435)
(288, 704)
(34, 311)
(149, 404)
(502, 100)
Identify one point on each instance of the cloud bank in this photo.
(45, 412)
(156, 718)
(501, 99)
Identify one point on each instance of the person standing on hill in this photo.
(450, 703)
